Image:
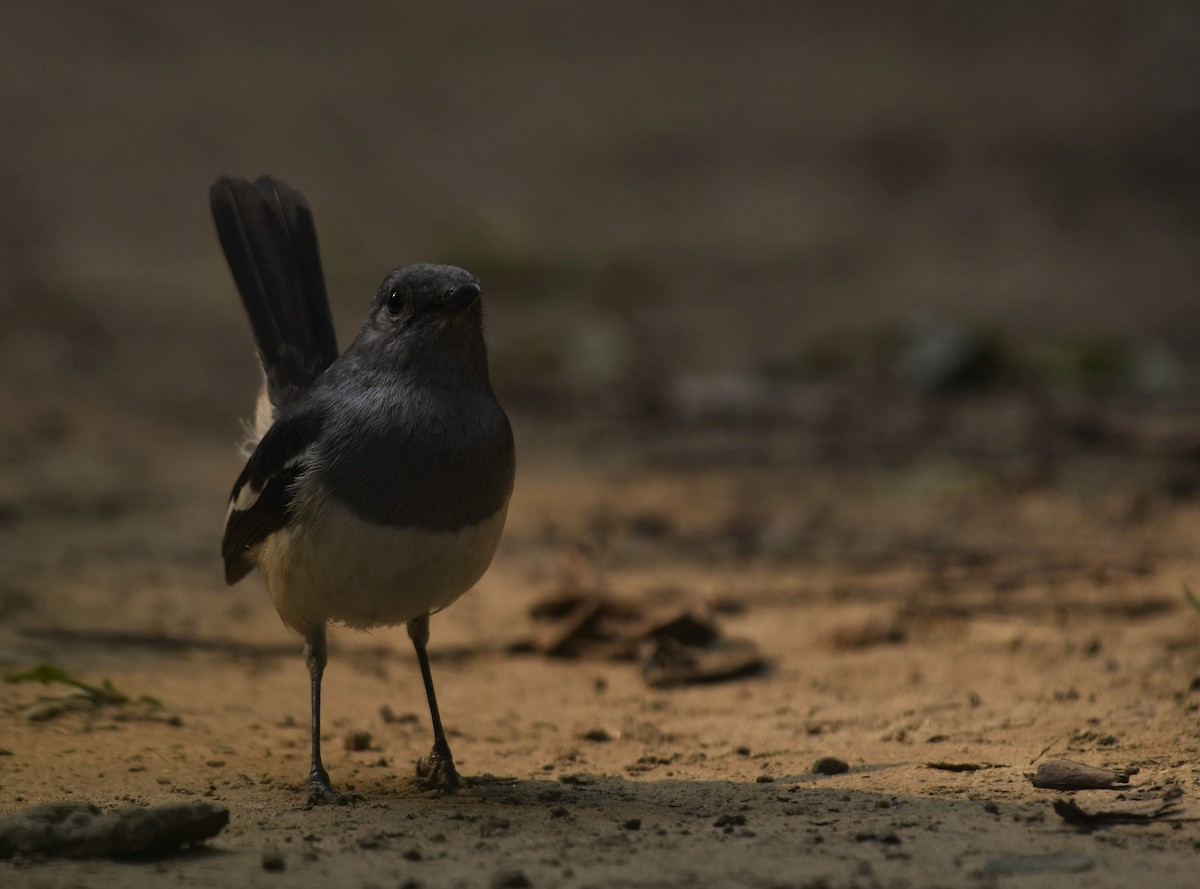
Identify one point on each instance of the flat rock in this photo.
(1063, 774)
(76, 829)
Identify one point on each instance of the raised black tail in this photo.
(266, 230)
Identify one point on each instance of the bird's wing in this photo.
(261, 501)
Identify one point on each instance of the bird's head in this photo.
(429, 316)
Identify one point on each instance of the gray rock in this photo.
(78, 829)
(719, 396)
(830, 765)
(1063, 774)
(944, 356)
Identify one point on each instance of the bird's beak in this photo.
(460, 298)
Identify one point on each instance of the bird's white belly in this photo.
(333, 566)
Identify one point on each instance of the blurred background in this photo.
(959, 238)
(670, 204)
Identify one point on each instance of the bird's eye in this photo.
(394, 303)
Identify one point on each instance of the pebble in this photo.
(830, 765)
(730, 821)
(510, 878)
(272, 860)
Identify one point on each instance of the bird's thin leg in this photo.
(438, 770)
(320, 791)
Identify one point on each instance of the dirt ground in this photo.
(704, 237)
(914, 616)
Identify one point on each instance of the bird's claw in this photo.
(321, 792)
(437, 771)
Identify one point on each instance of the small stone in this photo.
(272, 860)
(372, 841)
(944, 356)
(633, 824)
(576, 778)
(391, 717)
(764, 779)
(411, 854)
(510, 878)
(730, 821)
(599, 735)
(718, 396)
(492, 825)
(356, 739)
(830, 765)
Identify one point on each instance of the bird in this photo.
(377, 481)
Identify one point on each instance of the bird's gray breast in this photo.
(437, 459)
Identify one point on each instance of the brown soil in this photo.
(913, 619)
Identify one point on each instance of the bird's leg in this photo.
(438, 770)
(320, 791)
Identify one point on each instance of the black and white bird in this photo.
(379, 480)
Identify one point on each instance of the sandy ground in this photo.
(912, 617)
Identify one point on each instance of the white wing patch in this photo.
(247, 495)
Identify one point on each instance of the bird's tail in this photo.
(266, 230)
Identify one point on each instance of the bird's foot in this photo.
(437, 771)
(321, 792)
